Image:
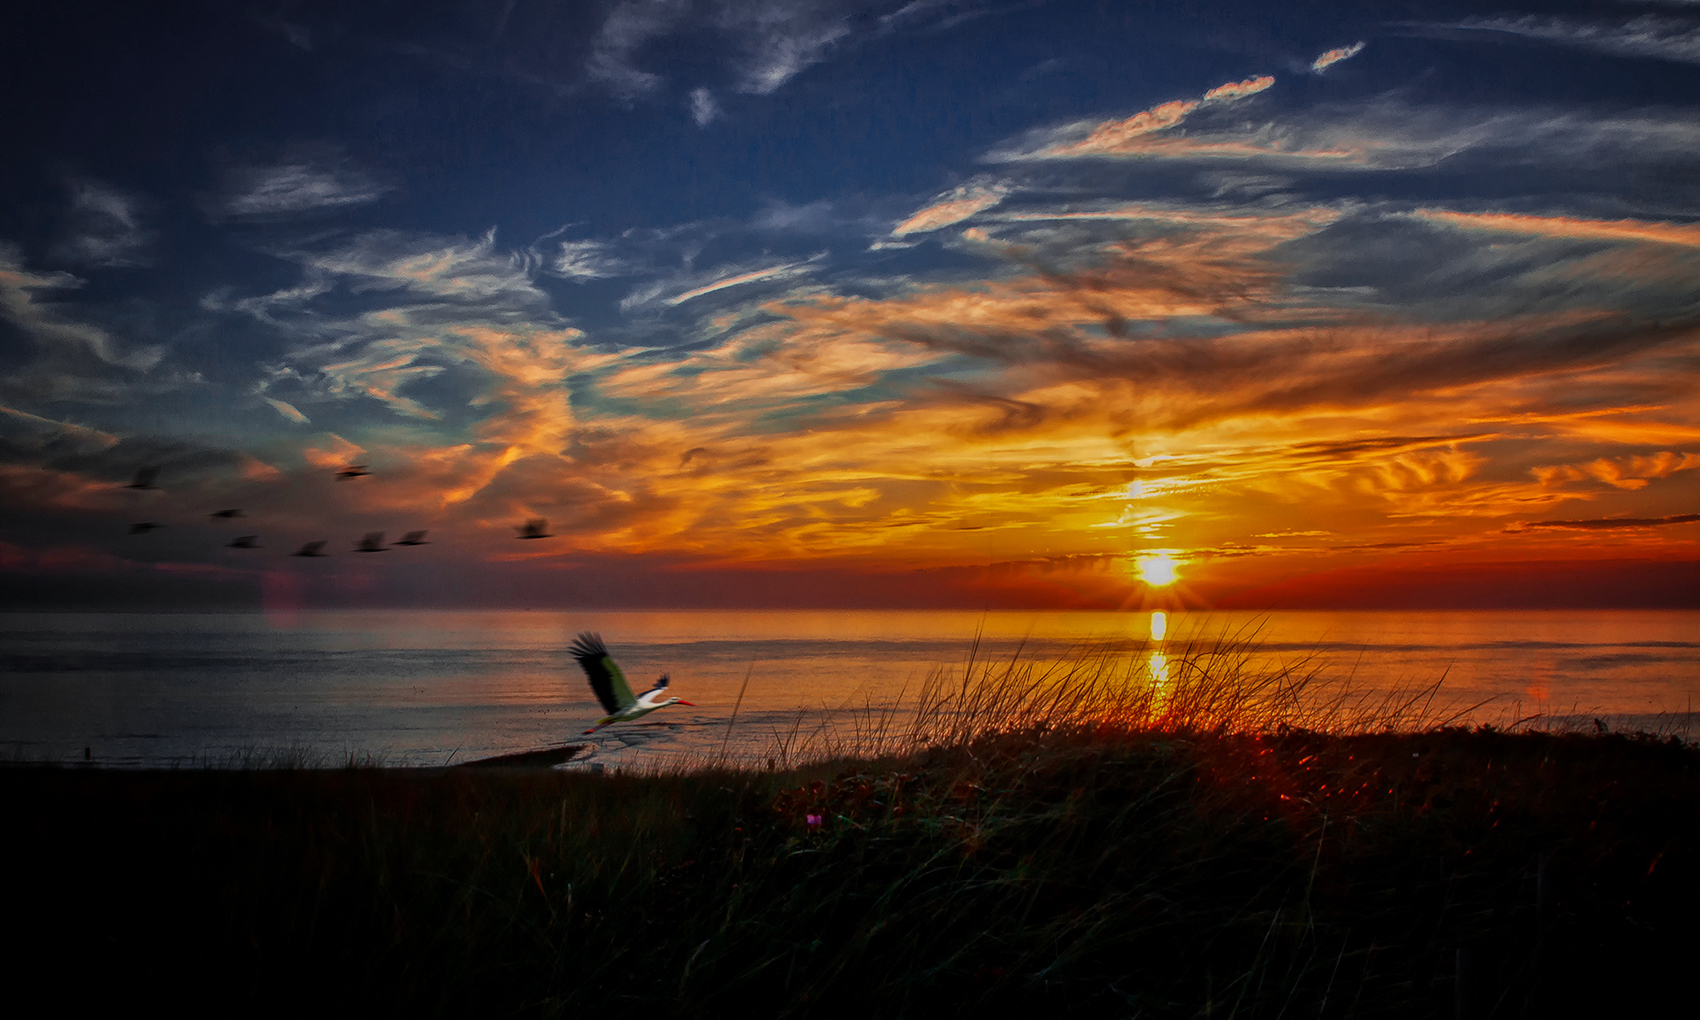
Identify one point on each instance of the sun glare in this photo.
(1157, 570)
(1159, 625)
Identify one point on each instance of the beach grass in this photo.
(1236, 841)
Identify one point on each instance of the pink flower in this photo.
(814, 819)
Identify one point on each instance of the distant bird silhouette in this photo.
(413, 538)
(310, 549)
(610, 685)
(144, 479)
(352, 471)
(537, 527)
(373, 542)
(227, 514)
(144, 527)
(244, 542)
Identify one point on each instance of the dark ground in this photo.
(1441, 874)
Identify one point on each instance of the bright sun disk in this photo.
(1157, 570)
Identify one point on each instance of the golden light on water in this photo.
(1157, 665)
(1157, 569)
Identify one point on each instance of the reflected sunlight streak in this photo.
(1157, 665)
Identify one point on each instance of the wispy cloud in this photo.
(1239, 89)
(295, 187)
(703, 107)
(289, 411)
(953, 207)
(1387, 134)
(629, 26)
(435, 305)
(761, 44)
(70, 428)
(780, 38)
(75, 359)
(823, 216)
(1683, 234)
(586, 260)
(1631, 473)
(1228, 351)
(1334, 56)
(1649, 35)
(1127, 136)
(692, 285)
(450, 269)
(104, 228)
(904, 430)
(1117, 136)
(1227, 223)
(917, 11)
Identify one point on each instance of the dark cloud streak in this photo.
(1605, 523)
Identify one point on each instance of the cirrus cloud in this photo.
(953, 207)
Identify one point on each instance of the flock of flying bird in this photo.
(607, 681)
(373, 542)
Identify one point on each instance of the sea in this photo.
(430, 689)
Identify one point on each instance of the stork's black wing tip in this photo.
(588, 646)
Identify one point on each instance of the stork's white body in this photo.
(641, 706)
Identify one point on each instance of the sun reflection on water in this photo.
(1156, 663)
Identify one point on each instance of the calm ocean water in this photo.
(428, 688)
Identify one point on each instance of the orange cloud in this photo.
(1684, 234)
(334, 453)
(1129, 136)
(80, 431)
(1239, 89)
(1620, 472)
(950, 208)
(1334, 56)
(1172, 388)
(1116, 136)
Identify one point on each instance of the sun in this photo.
(1157, 569)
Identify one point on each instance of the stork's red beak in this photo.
(682, 701)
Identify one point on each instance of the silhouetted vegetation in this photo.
(1150, 865)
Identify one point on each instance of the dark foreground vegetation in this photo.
(1103, 873)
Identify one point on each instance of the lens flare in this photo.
(1159, 625)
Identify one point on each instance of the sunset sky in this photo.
(791, 303)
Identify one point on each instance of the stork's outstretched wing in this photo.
(655, 693)
(605, 676)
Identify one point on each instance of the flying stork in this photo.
(611, 687)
